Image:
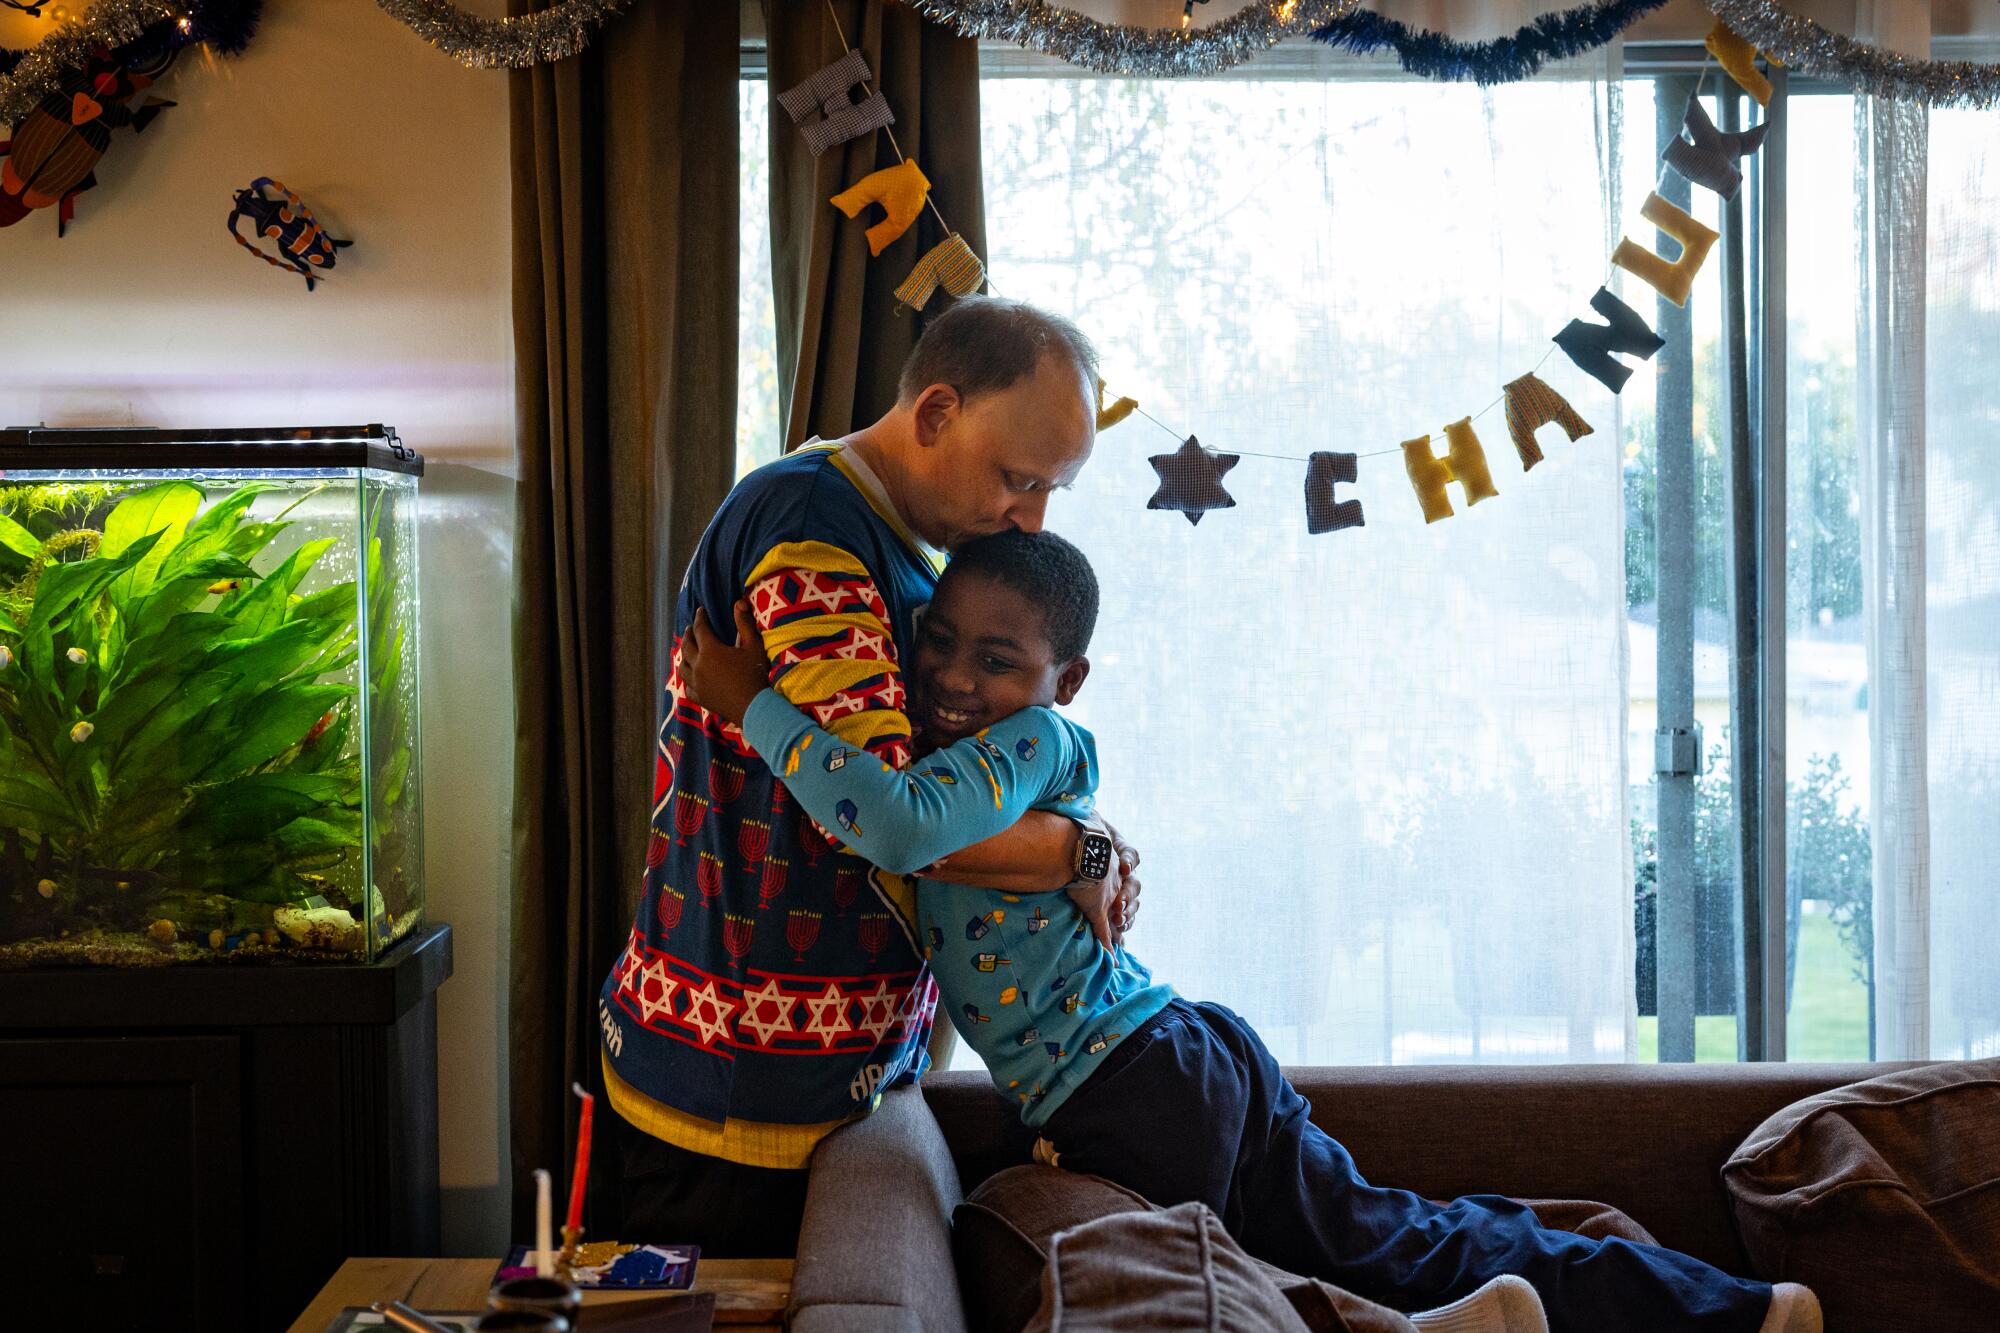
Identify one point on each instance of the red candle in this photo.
(581, 1173)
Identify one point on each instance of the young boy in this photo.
(1124, 1079)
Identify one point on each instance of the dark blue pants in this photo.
(1192, 1107)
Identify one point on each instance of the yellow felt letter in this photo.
(1738, 59)
(1107, 417)
(1464, 463)
(1673, 281)
(901, 190)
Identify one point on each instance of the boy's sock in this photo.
(1794, 1309)
(1507, 1304)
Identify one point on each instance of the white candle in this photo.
(545, 1259)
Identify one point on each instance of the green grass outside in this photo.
(1829, 1012)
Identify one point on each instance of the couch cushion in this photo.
(1883, 1197)
(1001, 1236)
(1157, 1271)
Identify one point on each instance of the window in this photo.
(1396, 786)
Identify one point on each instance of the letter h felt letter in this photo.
(826, 91)
(1465, 463)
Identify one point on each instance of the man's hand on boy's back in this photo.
(721, 677)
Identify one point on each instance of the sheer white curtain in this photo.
(1928, 326)
(1378, 775)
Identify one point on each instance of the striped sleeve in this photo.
(833, 657)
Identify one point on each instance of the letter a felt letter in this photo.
(1464, 463)
(1673, 281)
(901, 190)
(1710, 159)
(1532, 404)
(1323, 512)
(1591, 345)
(1738, 60)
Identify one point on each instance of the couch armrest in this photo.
(875, 1244)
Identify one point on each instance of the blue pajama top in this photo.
(1024, 980)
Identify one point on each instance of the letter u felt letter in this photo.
(1710, 159)
(1591, 345)
(1464, 463)
(901, 190)
(1532, 404)
(1671, 280)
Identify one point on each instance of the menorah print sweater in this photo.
(1025, 981)
(770, 987)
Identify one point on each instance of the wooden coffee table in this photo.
(750, 1294)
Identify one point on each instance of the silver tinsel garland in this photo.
(1804, 45)
(1117, 48)
(39, 71)
(555, 33)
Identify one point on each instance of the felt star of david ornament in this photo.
(1191, 480)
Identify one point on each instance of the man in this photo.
(771, 987)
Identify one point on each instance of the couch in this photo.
(875, 1251)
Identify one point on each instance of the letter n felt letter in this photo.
(1591, 345)
(1532, 404)
(1673, 281)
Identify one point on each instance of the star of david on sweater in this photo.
(648, 1006)
(878, 1010)
(829, 1015)
(769, 994)
(707, 1012)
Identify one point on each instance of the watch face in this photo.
(1094, 856)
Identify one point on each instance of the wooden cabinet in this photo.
(200, 1148)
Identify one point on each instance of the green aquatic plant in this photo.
(173, 722)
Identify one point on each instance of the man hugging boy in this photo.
(1123, 1078)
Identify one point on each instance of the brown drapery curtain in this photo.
(625, 221)
(841, 338)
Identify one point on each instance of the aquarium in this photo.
(208, 696)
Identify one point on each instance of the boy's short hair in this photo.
(1049, 572)
(982, 344)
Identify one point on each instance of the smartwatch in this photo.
(1093, 857)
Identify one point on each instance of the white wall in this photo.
(148, 313)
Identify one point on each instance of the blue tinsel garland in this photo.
(226, 25)
(1432, 55)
